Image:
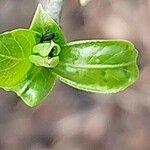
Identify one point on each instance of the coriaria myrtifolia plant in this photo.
(32, 59)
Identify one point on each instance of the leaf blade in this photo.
(12, 56)
(35, 86)
(98, 65)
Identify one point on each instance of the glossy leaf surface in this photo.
(35, 86)
(98, 66)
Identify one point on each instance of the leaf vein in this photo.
(98, 66)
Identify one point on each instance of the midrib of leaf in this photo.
(98, 66)
(43, 30)
(40, 15)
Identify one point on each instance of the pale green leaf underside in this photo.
(98, 65)
(15, 49)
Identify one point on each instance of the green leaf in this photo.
(36, 85)
(46, 49)
(43, 24)
(17, 73)
(98, 65)
(15, 49)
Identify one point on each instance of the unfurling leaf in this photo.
(45, 55)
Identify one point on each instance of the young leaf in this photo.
(44, 24)
(15, 49)
(44, 61)
(36, 85)
(46, 49)
(46, 55)
(98, 65)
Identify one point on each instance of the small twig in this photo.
(53, 8)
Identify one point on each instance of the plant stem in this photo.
(53, 8)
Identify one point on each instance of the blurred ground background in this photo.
(70, 119)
